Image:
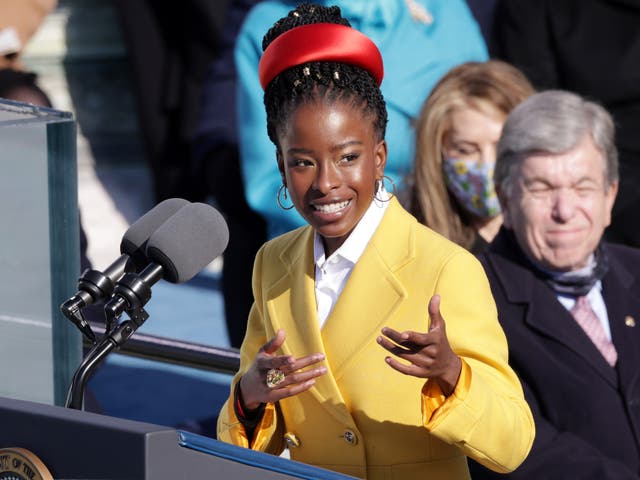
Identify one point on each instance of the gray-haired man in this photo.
(568, 302)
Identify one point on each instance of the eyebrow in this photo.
(299, 150)
(582, 179)
(335, 148)
(460, 143)
(342, 146)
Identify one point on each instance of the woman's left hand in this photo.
(429, 354)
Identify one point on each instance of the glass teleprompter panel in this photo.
(38, 250)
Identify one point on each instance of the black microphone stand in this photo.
(111, 341)
(132, 292)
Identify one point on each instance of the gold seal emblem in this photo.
(21, 464)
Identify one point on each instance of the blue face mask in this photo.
(471, 183)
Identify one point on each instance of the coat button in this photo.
(629, 321)
(350, 437)
(291, 440)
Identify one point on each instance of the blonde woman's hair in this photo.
(493, 88)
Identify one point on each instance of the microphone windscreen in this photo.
(188, 241)
(134, 241)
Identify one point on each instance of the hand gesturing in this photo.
(255, 388)
(429, 354)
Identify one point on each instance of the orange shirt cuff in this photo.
(436, 405)
(263, 431)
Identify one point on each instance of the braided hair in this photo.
(308, 82)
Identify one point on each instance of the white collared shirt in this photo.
(331, 274)
(597, 305)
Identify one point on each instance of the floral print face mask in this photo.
(471, 183)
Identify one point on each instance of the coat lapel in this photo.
(550, 318)
(292, 307)
(370, 296)
(545, 314)
(373, 292)
(291, 300)
(623, 307)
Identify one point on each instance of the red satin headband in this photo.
(320, 42)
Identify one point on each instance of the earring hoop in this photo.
(380, 183)
(282, 188)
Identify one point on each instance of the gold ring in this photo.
(275, 376)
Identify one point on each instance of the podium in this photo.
(80, 445)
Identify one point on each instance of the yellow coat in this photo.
(363, 418)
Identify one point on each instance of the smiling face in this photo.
(330, 159)
(560, 206)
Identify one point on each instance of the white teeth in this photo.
(332, 207)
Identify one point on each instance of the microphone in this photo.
(94, 285)
(180, 248)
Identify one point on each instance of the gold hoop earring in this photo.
(282, 188)
(381, 183)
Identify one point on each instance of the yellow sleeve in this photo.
(229, 429)
(487, 417)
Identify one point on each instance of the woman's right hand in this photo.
(297, 376)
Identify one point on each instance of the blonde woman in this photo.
(451, 187)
